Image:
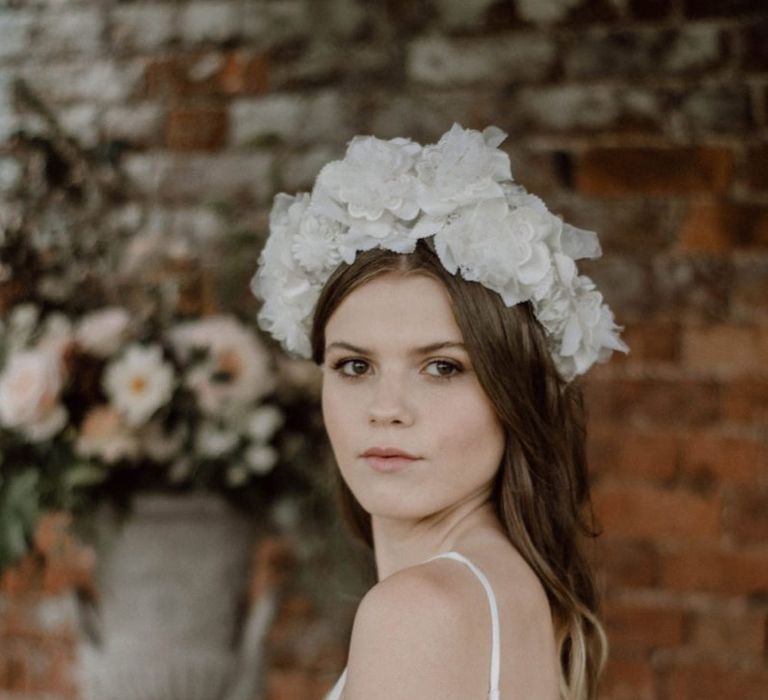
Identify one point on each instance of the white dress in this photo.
(493, 693)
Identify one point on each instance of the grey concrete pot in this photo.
(171, 621)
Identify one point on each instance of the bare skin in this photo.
(424, 630)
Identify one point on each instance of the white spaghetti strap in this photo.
(335, 692)
(495, 652)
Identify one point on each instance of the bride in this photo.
(443, 304)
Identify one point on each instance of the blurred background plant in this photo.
(119, 371)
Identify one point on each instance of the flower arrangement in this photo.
(117, 375)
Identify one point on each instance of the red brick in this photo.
(724, 632)
(635, 627)
(650, 342)
(757, 166)
(650, 9)
(666, 171)
(627, 564)
(242, 73)
(755, 38)
(716, 571)
(710, 457)
(747, 514)
(693, 288)
(628, 678)
(636, 454)
(706, 681)
(656, 513)
(715, 226)
(746, 401)
(235, 73)
(723, 8)
(654, 402)
(196, 128)
(165, 77)
(725, 348)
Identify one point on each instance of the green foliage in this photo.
(19, 512)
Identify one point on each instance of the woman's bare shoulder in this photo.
(412, 625)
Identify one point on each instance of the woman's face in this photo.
(396, 376)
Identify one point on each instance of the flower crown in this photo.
(459, 191)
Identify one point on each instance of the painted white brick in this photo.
(271, 22)
(72, 31)
(584, 106)
(210, 21)
(465, 14)
(695, 47)
(202, 176)
(292, 118)
(8, 119)
(101, 81)
(10, 174)
(545, 11)
(344, 17)
(299, 170)
(438, 61)
(147, 170)
(201, 224)
(137, 123)
(142, 26)
(79, 121)
(15, 33)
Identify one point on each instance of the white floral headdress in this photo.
(459, 191)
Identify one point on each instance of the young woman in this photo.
(445, 309)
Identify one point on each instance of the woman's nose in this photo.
(390, 403)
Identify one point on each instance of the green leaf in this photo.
(19, 513)
(84, 474)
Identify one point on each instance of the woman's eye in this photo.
(444, 368)
(352, 368)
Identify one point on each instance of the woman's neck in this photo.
(399, 544)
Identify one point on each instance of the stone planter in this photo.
(172, 620)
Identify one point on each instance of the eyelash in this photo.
(337, 366)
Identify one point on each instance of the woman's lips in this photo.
(388, 459)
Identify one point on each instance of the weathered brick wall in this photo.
(641, 119)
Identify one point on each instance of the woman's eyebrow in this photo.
(346, 346)
(423, 350)
(443, 345)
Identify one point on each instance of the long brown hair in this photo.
(541, 490)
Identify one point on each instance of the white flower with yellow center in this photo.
(139, 382)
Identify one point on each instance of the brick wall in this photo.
(641, 119)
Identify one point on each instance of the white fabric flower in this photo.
(261, 458)
(139, 382)
(22, 323)
(214, 441)
(102, 333)
(462, 168)
(580, 326)
(236, 370)
(263, 422)
(104, 434)
(30, 388)
(373, 178)
(507, 251)
(56, 335)
(160, 445)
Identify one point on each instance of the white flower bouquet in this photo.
(92, 404)
(119, 371)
